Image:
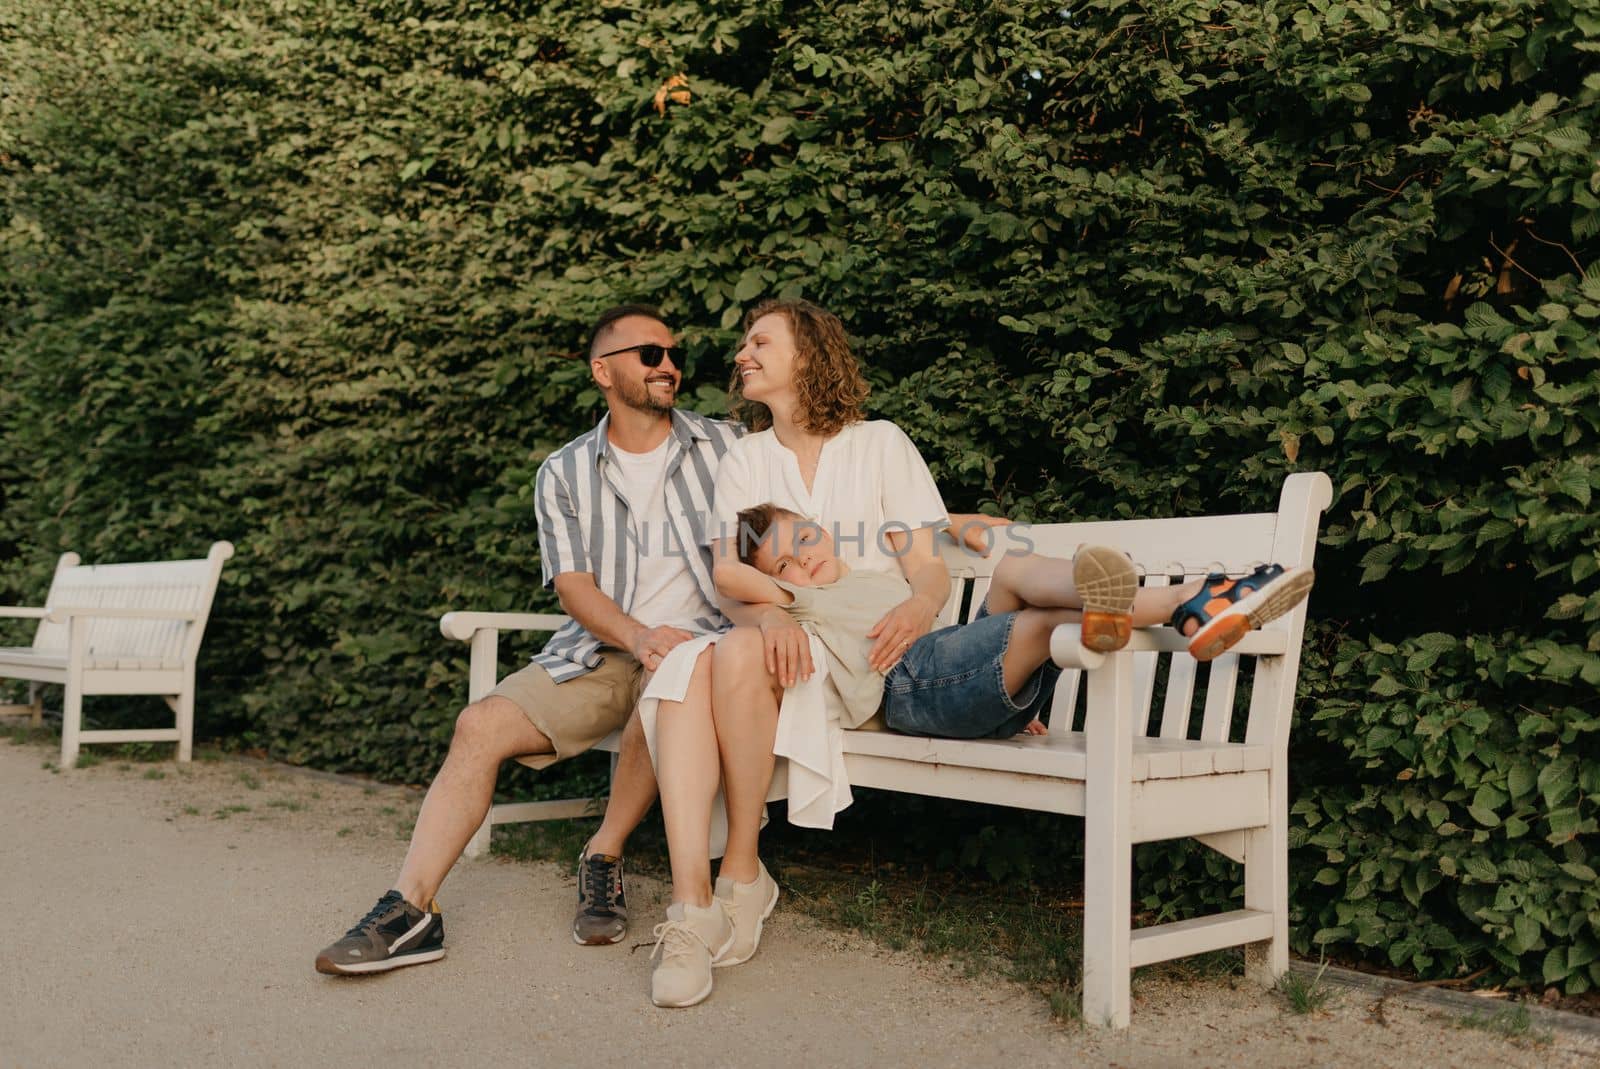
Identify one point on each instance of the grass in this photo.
(288, 804)
(228, 810)
(1510, 1022)
(24, 732)
(1305, 995)
(154, 773)
(191, 811)
(250, 780)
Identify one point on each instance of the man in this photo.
(620, 510)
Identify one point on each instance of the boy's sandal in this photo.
(1107, 583)
(1228, 609)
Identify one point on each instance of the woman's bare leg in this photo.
(687, 770)
(744, 701)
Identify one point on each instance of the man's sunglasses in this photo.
(651, 354)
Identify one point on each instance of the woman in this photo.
(799, 388)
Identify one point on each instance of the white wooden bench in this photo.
(118, 629)
(1148, 759)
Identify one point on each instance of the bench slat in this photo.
(1179, 939)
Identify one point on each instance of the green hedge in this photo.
(308, 275)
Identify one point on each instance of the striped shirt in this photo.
(585, 525)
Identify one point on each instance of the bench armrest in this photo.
(461, 626)
(21, 612)
(60, 614)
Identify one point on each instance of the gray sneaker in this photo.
(392, 934)
(748, 905)
(602, 916)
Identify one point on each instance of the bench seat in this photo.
(25, 657)
(1062, 755)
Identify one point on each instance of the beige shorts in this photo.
(578, 713)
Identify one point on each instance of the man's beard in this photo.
(637, 396)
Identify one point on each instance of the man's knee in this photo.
(494, 727)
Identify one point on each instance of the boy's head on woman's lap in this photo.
(792, 345)
(787, 546)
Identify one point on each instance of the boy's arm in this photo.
(741, 582)
(786, 648)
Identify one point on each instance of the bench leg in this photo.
(71, 721)
(185, 717)
(1266, 888)
(72, 702)
(35, 704)
(1108, 845)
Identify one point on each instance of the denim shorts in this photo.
(951, 684)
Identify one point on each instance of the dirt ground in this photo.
(165, 915)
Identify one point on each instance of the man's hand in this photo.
(975, 531)
(899, 628)
(786, 647)
(651, 645)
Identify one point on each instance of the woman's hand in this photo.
(899, 628)
(786, 647)
(975, 530)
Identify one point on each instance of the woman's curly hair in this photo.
(827, 375)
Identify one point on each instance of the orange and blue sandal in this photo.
(1227, 609)
(1107, 582)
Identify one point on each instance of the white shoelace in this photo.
(674, 938)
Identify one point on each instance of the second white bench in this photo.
(119, 629)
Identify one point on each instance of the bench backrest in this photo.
(173, 584)
(1166, 685)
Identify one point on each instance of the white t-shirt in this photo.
(870, 482)
(664, 591)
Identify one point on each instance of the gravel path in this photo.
(167, 916)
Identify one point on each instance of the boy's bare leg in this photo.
(1030, 580)
(744, 704)
(487, 732)
(1030, 644)
(686, 745)
(633, 792)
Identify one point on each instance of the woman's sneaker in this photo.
(688, 941)
(1226, 609)
(748, 905)
(1107, 582)
(394, 933)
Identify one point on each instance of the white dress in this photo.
(870, 482)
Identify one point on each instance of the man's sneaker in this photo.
(392, 934)
(1226, 609)
(688, 941)
(602, 916)
(748, 905)
(1107, 582)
